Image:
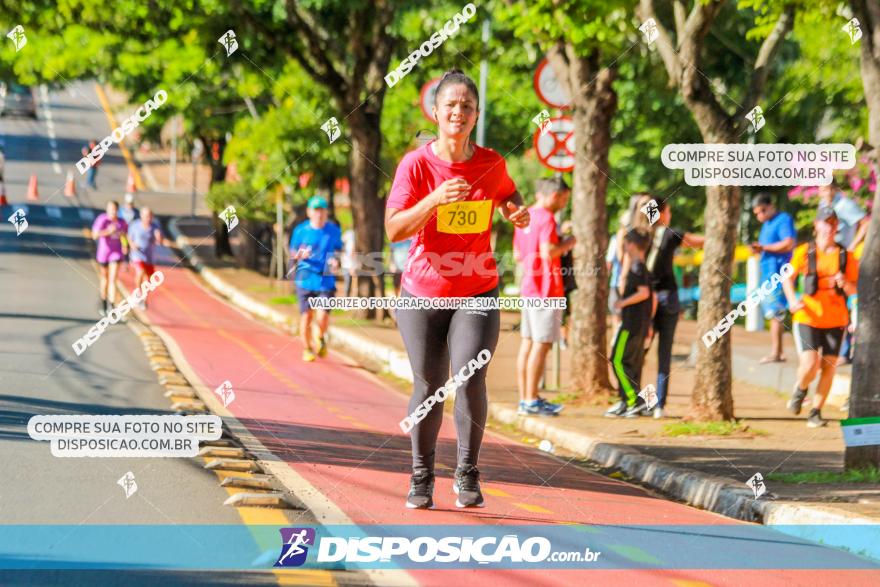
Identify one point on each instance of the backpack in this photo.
(811, 279)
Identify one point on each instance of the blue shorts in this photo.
(304, 295)
(775, 305)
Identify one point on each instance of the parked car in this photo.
(18, 99)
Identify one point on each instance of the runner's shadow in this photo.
(362, 450)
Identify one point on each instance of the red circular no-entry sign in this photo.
(426, 98)
(548, 88)
(555, 147)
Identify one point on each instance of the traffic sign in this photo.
(426, 98)
(548, 88)
(555, 147)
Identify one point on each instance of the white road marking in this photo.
(56, 168)
(53, 211)
(54, 154)
(86, 213)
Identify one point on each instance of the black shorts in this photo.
(809, 338)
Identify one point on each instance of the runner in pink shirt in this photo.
(539, 250)
(444, 196)
(110, 231)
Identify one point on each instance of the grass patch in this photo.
(283, 300)
(564, 398)
(710, 429)
(871, 475)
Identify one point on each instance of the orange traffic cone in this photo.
(130, 187)
(70, 185)
(32, 193)
(3, 200)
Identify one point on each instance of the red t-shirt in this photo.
(443, 263)
(541, 279)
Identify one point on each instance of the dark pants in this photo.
(627, 358)
(91, 176)
(665, 321)
(434, 339)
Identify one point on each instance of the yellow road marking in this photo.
(495, 492)
(129, 160)
(254, 516)
(535, 509)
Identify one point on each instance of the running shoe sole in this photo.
(411, 506)
(458, 504)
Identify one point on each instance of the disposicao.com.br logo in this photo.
(409, 549)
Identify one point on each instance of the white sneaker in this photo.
(658, 413)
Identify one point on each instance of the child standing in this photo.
(637, 306)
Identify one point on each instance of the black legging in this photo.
(430, 336)
(665, 321)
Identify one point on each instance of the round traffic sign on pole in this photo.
(555, 146)
(548, 88)
(426, 98)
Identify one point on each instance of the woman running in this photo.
(443, 196)
(109, 230)
(819, 318)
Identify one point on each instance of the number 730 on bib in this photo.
(464, 217)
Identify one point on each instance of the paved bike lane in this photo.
(336, 425)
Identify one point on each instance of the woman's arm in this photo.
(402, 224)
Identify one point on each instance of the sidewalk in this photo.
(707, 471)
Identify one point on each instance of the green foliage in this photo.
(249, 204)
(869, 475)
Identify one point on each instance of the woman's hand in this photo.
(519, 216)
(451, 190)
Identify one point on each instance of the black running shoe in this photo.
(421, 491)
(467, 487)
(102, 307)
(797, 399)
(815, 419)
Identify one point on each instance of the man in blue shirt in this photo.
(312, 248)
(775, 243)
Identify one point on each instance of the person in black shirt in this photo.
(660, 260)
(637, 306)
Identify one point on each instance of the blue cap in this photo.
(317, 202)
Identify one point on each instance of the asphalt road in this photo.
(48, 298)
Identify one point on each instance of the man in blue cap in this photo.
(312, 247)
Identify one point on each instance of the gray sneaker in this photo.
(796, 401)
(815, 420)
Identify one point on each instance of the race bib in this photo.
(464, 217)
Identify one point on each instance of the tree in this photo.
(581, 38)
(682, 58)
(346, 48)
(864, 399)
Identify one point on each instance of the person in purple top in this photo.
(110, 232)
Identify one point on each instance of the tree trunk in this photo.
(595, 103)
(864, 392)
(366, 206)
(328, 184)
(248, 254)
(711, 398)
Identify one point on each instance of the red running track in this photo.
(337, 426)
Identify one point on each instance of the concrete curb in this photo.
(716, 494)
